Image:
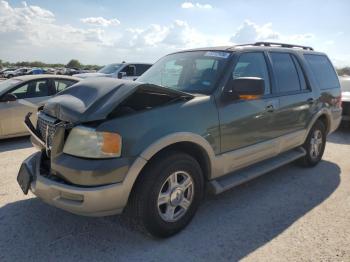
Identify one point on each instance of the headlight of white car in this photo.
(87, 142)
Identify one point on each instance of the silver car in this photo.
(23, 94)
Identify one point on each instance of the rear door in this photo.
(29, 96)
(62, 84)
(296, 100)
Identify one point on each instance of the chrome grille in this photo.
(47, 128)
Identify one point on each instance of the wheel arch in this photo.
(189, 143)
(324, 115)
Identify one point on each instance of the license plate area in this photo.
(24, 178)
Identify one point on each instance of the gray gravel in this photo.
(292, 214)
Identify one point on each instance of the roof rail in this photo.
(272, 44)
(283, 45)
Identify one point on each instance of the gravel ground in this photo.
(292, 214)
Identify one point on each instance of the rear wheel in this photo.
(167, 195)
(314, 145)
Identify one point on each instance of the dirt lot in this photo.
(292, 214)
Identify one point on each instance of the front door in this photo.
(248, 122)
(29, 96)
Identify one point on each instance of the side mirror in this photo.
(9, 98)
(121, 75)
(246, 88)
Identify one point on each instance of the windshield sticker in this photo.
(224, 55)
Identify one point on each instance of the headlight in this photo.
(87, 142)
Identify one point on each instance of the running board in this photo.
(241, 176)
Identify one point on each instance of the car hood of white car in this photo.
(88, 75)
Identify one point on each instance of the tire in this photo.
(314, 145)
(9, 76)
(156, 205)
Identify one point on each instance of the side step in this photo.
(241, 176)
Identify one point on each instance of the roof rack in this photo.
(272, 44)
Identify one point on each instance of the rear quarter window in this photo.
(323, 71)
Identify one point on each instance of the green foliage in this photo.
(74, 63)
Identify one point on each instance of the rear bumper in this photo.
(88, 201)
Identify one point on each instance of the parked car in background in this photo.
(345, 87)
(23, 94)
(210, 118)
(129, 71)
(3, 71)
(35, 71)
(17, 72)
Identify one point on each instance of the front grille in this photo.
(47, 128)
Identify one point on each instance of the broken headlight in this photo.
(87, 142)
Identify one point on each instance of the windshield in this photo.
(7, 84)
(192, 72)
(109, 69)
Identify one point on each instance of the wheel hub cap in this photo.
(176, 197)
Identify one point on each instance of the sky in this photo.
(111, 31)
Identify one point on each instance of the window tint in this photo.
(140, 69)
(129, 70)
(61, 84)
(323, 71)
(252, 65)
(286, 74)
(301, 75)
(32, 89)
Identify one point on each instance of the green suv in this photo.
(199, 120)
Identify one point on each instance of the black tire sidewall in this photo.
(160, 173)
(308, 158)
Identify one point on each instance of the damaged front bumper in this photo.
(88, 201)
(89, 195)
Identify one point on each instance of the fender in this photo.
(324, 111)
(138, 165)
(178, 137)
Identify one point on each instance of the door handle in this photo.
(310, 101)
(270, 108)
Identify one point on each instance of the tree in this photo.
(74, 64)
(0, 64)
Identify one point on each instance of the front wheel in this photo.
(167, 194)
(314, 145)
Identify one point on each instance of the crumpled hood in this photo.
(94, 99)
(88, 75)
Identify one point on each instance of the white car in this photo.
(17, 72)
(345, 88)
(129, 71)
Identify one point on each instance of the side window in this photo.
(286, 74)
(61, 84)
(253, 65)
(301, 75)
(130, 70)
(141, 68)
(32, 89)
(20, 92)
(323, 70)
